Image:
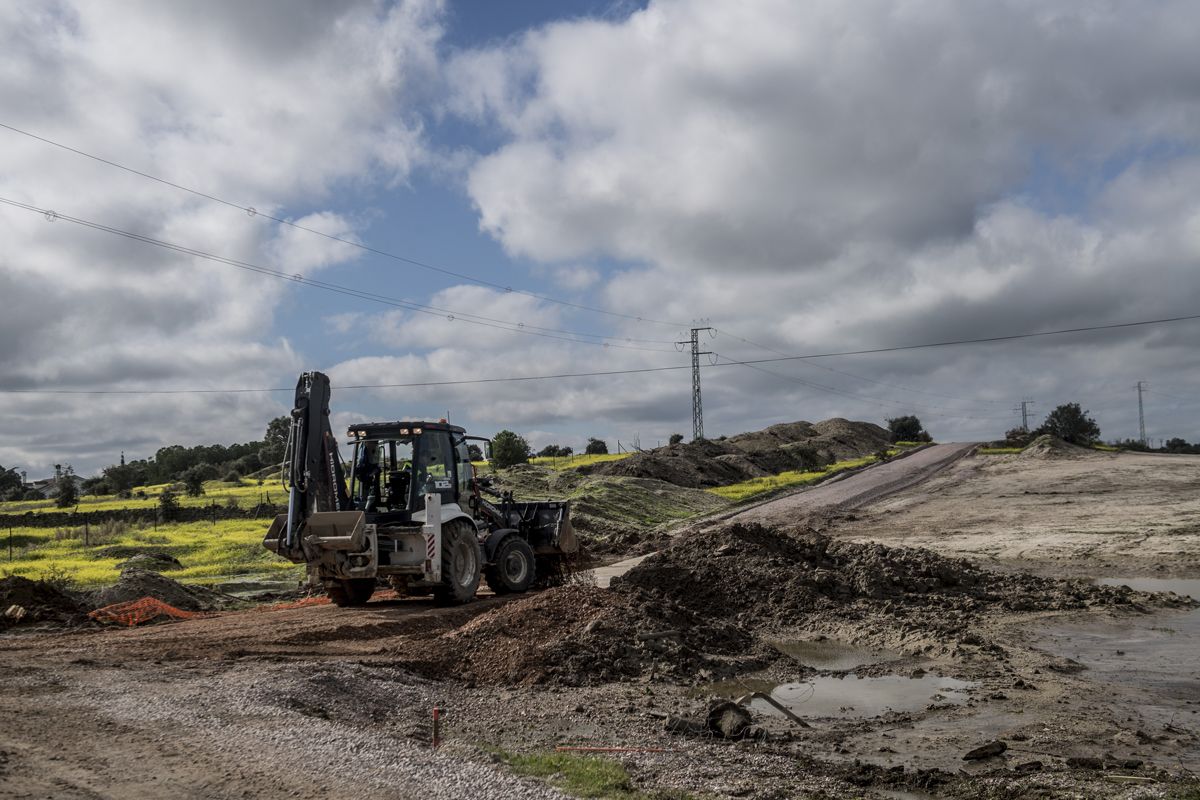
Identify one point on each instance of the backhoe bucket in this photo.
(324, 530)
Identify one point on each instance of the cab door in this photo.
(435, 465)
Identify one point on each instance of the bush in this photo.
(474, 452)
(550, 451)
(508, 449)
(168, 505)
(1017, 437)
(676, 438)
(908, 429)
(193, 482)
(233, 476)
(596, 447)
(1071, 424)
(68, 492)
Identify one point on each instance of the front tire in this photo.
(352, 592)
(460, 564)
(514, 568)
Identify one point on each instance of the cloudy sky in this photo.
(556, 187)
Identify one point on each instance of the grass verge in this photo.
(998, 451)
(583, 776)
(770, 483)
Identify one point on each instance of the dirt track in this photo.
(318, 701)
(859, 488)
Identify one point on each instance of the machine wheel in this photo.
(514, 569)
(460, 564)
(353, 592)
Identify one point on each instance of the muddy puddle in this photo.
(849, 696)
(852, 696)
(1154, 658)
(832, 655)
(1189, 587)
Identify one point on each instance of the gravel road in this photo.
(860, 488)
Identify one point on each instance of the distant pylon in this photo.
(1141, 387)
(1023, 410)
(697, 405)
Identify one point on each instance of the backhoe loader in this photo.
(407, 508)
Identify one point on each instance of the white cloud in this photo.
(271, 105)
(829, 176)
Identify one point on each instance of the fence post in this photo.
(10, 555)
(87, 533)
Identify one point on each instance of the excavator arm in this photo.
(313, 471)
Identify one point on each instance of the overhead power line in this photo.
(421, 308)
(985, 340)
(934, 411)
(856, 376)
(253, 212)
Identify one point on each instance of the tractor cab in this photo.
(395, 464)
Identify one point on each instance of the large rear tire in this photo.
(514, 569)
(352, 592)
(460, 564)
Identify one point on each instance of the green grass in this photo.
(208, 552)
(770, 483)
(911, 444)
(999, 451)
(245, 493)
(581, 460)
(583, 775)
(560, 462)
(1107, 448)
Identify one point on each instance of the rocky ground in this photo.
(312, 700)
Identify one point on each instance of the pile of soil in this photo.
(756, 576)
(43, 603)
(578, 635)
(136, 583)
(154, 561)
(787, 446)
(1047, 446)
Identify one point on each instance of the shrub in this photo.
(168, 505)
(1071, 424)
(908, 429)
(508, 449)
(676, 438)
(68, 492)
(233, 476)
(596, 447)
(1017, 437)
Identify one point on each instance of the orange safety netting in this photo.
(307, 601)
(135, 612)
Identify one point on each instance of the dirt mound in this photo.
(757, 576)
(1047, 446)
(156, 562)
(136, 583)
(787, 446)
(610, 514)
(42, 603)
(577, 635)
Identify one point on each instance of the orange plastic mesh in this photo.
(136, 612)
(307, 601)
